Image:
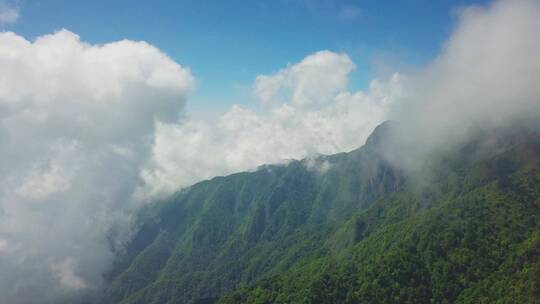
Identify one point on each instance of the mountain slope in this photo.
(349, 228)
(473, 236)
(217, 234)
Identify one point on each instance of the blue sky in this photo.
(228, 43)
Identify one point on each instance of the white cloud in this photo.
(40, 185)
(65, 271)
(316, 164)
(486, 76)
(313, 81)
(77, 123)
(321, 116)
(53, 176)
(9, 13)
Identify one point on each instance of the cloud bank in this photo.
(487, 76)
(309, 111)
(77, 123)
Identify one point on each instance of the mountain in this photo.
(348, 228)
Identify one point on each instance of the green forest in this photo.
(348, 228)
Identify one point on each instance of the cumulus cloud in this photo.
(317, 116)
(77, 124)
(9, 12)
(314, 80)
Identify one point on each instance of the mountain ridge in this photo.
(233, 232)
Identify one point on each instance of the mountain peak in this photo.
(381, 134)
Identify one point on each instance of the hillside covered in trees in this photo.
(348, 228)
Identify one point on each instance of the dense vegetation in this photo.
(348, 228)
